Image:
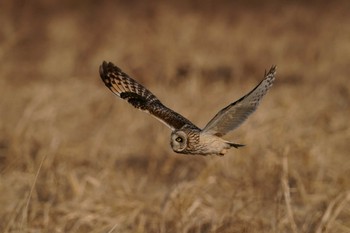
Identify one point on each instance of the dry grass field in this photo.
(73, 158)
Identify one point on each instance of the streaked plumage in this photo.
(187, 138)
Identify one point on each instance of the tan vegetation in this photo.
(73, 158)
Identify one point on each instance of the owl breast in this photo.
(212, 145)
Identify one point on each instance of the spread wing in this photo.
(236, 113)
(138, 96)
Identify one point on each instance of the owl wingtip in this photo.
(272, 71)
(102, 70)
(105, 65)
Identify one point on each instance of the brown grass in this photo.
(75, 159)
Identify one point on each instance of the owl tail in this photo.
(235, 145)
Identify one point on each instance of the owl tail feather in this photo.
(235, 145)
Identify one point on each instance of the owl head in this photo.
(178, 141)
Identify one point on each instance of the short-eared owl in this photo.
(186, 138)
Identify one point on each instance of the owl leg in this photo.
(223, 152)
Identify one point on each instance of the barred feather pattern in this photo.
(141, 98)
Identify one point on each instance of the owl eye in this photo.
(179, 139)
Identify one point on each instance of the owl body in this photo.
(194, 141)
(187, 138)
(215, 145)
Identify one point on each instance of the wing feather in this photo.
(137, 95)
(237, 112)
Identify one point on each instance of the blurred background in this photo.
(73, 158)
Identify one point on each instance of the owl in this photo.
(186, 137)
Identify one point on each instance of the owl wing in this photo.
(236, 113)
(138, 96)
